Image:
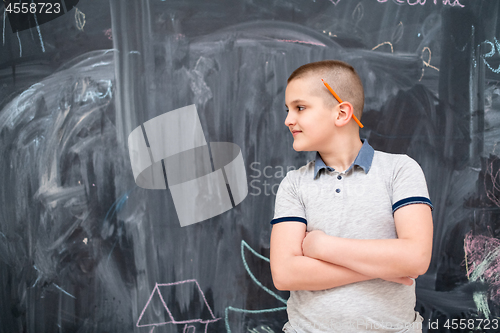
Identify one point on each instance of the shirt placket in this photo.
(338, 181)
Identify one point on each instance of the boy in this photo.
(352, 229)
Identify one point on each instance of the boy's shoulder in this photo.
(391, 160)
(303, 171)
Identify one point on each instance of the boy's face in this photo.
(308, 114)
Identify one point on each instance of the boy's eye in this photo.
(298, 107)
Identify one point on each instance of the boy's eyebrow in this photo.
(297, 101)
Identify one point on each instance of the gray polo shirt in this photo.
(356, 203)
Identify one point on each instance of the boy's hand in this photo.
(311, 243)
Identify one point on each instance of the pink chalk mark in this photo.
(422, 2)
(109, 34)
(187, 329)
(172, 320)
(495, 180)
(477, 249)
(455, 3)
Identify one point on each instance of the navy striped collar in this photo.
(364, 159)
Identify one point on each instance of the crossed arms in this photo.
(317, 261)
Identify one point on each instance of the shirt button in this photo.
(337, 190)
(339, 177)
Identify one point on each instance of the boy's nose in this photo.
(289, 120)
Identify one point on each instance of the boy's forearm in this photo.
(305, 273)
(372, 257)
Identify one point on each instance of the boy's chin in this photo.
(298, 148)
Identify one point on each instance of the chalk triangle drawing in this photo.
(163, 305)
(155, 302)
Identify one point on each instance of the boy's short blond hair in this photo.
(343, 79)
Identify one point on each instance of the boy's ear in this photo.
(346, 111)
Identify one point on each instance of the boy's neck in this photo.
(342, 153)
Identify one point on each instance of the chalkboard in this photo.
(84, 248)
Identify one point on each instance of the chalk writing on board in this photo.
(423, 2)
(384, 43)
(335, 2)
(495, 47)
(161, 291)
(426, 51)
(244, 245)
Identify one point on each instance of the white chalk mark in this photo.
(38, 277)
(64, 291)
(358, 13)
(20, 46)
(398, 33)
(266, 328)
(300, 41)
(3, 32)
(102, 63)
(39, 33)
(491, 54)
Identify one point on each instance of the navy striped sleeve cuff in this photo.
(411, 200)
(289, 218)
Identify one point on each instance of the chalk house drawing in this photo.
(170, 291)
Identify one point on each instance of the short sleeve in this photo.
(409, 185)
(288, 206)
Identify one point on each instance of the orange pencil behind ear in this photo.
(340, 101)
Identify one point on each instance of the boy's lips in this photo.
(296, 132)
